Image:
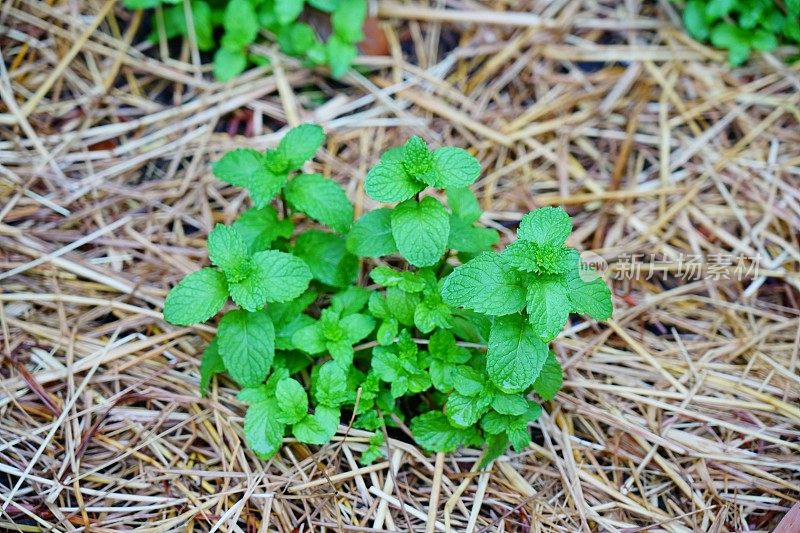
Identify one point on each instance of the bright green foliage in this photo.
(374, 450)
(488, 284)
(210, 364)
(457, 353)
(243, 23)
(372, 235)
(327, 256)
(742, 26)
(334, 334)
(198, 297)
(405, 171)
(420, 230)
(246, 342)
(322, 199)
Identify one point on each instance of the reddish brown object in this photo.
(375, 42)
(790, 522)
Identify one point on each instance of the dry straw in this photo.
(679, 415)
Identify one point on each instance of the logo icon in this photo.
(592, 266)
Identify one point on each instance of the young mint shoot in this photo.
(242, 23)
(441, 316)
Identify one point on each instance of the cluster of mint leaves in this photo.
(311, 348)
(741, 26)
(229, 27)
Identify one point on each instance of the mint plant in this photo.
(442, 318)
(741, 26)
(243, 21)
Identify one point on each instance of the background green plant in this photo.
(741, 26)
(241, 23)
(306, 341)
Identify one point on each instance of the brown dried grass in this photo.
(680, 414)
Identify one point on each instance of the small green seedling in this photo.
(244, 21)
(741, 26)
(311, 348)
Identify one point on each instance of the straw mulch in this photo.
(680, 414)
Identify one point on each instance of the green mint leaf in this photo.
(357, 327)
(550, 378)
(548, 306)
(350, 301)
(285, 313)
(203, 25)
(246, 343)
(285, 333)
(418, 161)
(300, 144)
(433, 432)
(321, 199)
(468, 381)
(387, 331)
(198, 297)
(228, 64)
(402, 304)
(327, 257)
(275, 277)
(486, 284)
(529, 256)
(763, 40)
(328, 417)
(591, 298)
(297, 38)
(330, 386)
(210, 364)
(464, 411)
(291, 400)
(495, 423)
(374, 450)
(264, 434)
(471, 326)
(310, 339)
(455, 168)
(520, 438)
(420, 230)
(241, 24)
(141, 4)
(348, 19)
(371, 235)
(378, 306)
(728, 36)
(340, 55)
(511, 404)
(227, 250)
(718, 8)
(515, 355)
(386, 364)
(259, 228)
(548, 225)
(465, 237)
(432, 313)
(694, 19)
(240, 167)
(341, 351)
(496, 445)
(464, 204)
(387, 181)
(442, 345)
(314, 429)
(264, 187)
(288, 10)
(403, 279)
(324, 5)
(441, 374)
